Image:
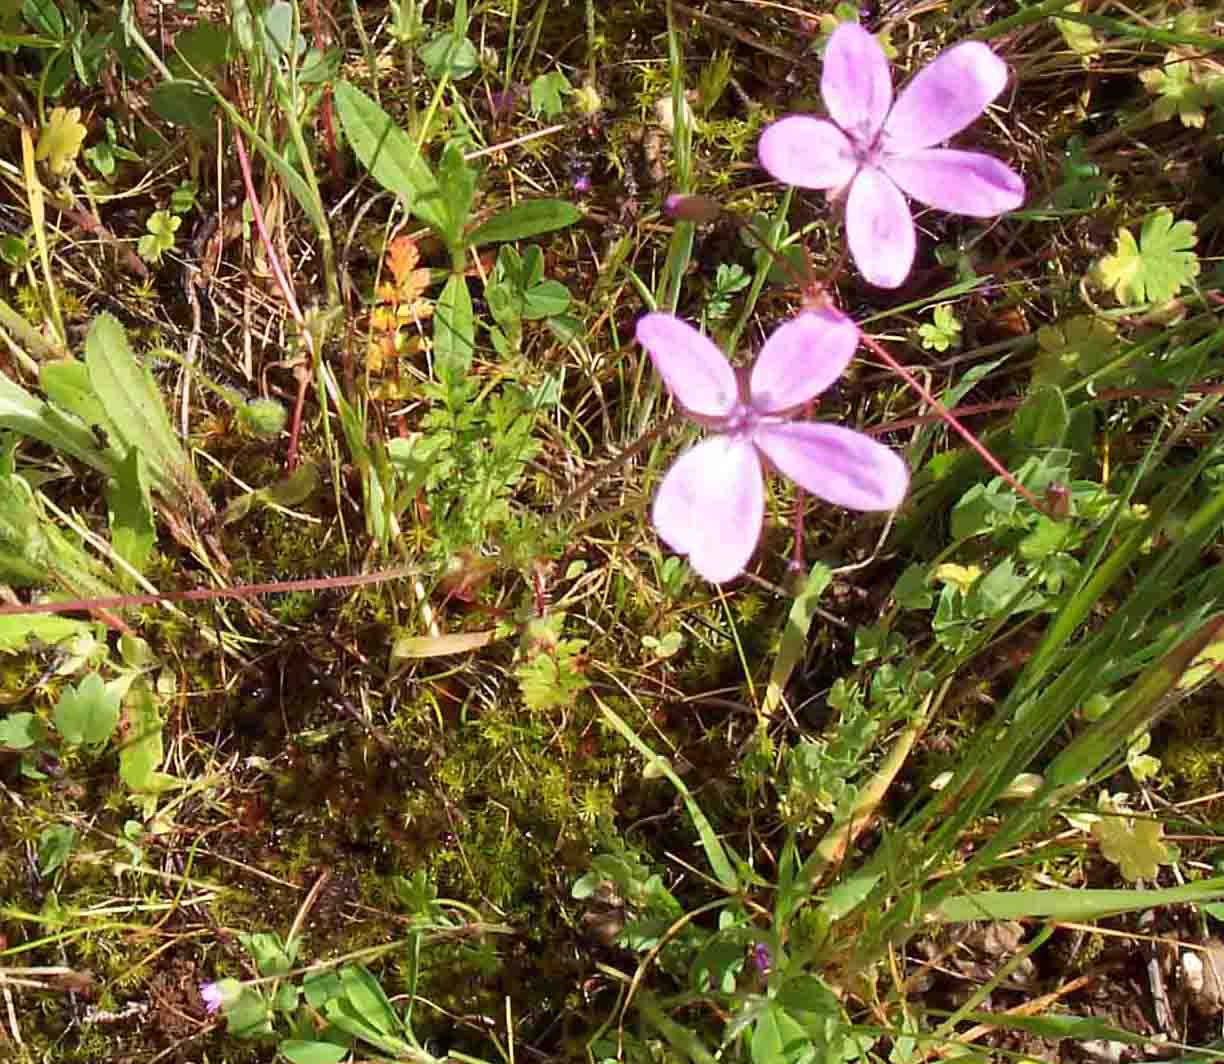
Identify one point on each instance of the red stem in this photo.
(295, 424)
(319, 583)
(956, 426)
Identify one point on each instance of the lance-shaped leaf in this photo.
(137, 416)
(390, 155)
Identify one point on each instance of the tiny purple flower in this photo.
(711, 503)
(761, 959)
(582, 183)
(882, 151)
(213, 998)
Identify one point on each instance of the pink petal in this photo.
(710, 506)
(839, 465)
(808, 152)
(944, 97)
(695, 371)
(856, 83)
(879, 229)
(963, 182)
(801, 359)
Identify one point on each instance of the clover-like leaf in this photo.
(1157, 267)
(61, 139)
(162, 225)
(1133, 845)
(943, 332)
(1177, 90)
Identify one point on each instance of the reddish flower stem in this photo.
(282, 281)
(956, 426)
(321, 583)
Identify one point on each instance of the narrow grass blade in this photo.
(1075, 905)
(723, 870)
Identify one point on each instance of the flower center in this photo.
(740, 422)
(868, 148)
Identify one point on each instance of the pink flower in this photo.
(213, 998)
(711, 503)
(882, 149)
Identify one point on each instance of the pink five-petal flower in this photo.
(712, 501)
(882, 149)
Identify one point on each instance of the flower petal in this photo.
(944, 97)
(695, 371)
(710, 506)
(879, 229)
(808, 152)
(963, 182)
(837, 464)
(801, 359)
(856, 83)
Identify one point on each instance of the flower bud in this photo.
(697, 209)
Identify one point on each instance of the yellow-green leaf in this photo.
(1157, 267)
(61, 139)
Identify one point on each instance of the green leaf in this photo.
(20, 731)
(1177, 91)
(161, 226)
(794, 643)
(272, 956)
(86, 715)
(299, 1052)
(206, 46)
(809, 994)
(943, 332)
(1132, 844)
(142, 752)
(1079, 36)
(526, 219)
(55, 845)
(367, 997)
(1155, 269)
(776, 1037)
(545, 300)
(546, 93)
(130, 513)
(137, 415)
(1043, 420)
(61, 140)
(1074, 348)
(17, 631)
(1080, 905)
(247, 1014)
(390, 155)
(449, 53)
(457, 182)
(183, 103)
(454, 334)
(280, 41)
